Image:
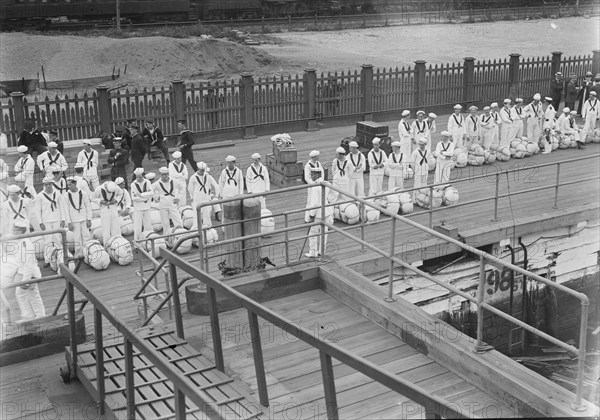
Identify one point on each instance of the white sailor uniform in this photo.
(202, 190)
(444, 164)
(231, 183)
(52, 210)
(79, 211)
(179, 174)
(518, 116)
(376, 173)
(535, 117)
(166, 195)
(258, 181)
(419, 130)
(590, 114)
(420, 162)
(109, 211)
(487, 130)
(90, 167)
(405, 137)
(396, 165)
(45, 159)
(356, 169)
(26, 165)
(11, 211)
(507, 127)
(457, 129)
(340, 174)
(471, 130)
(141, 197)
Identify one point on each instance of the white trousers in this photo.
(314, 243)
(93, 181)
(168, 214)
(356, 185)
(420, 181)
(48, 239)
(518, 129)
(182, 192)
(487, 137)
(142, 221)
(395, 181)
(496, 137)
(457, 138)
(589, 125)
(506, 134)
(534, 129)
(442, 171)
(375, 181)
(406, 146)
(30, 302)
(205, 216)
(109, 219)
(81, 234)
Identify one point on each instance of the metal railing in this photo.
(183, 387)
(434, 406)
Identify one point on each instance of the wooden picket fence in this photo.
(250, 102)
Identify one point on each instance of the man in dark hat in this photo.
(154, 137)
(33, 139)
(556, 89)
(138, 146)
(118, 158)
(185, 143)
(584, 90)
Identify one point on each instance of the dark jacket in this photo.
(30, 139)
(556, 87)
(152, 137)
(571, 92)
(186, 139)
(138, 147)
(118, 157)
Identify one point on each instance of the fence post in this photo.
(178, 100)
(247, 101)
(513, 74)
(556, 61)
(17, 98)
(468, 76)
(596, 62)
(366, 83)
(104, 108)
(419, 83)
(310, 99)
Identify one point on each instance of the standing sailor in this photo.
(591, 114)
(13, 209)
(404, 134)
(25, 165)
(82, 183)
(179, 174)
(79, 215)
(518, 117)
(456, 126)
(313, 173)
(166, 193)
(356, 169)
(431, 126)
(377, 160)
(203, 188)
(395, 164)
(141, 197)
(107, 195)
(535, 120)
(471, 127)
(498, 121)
(315, 215)
(118, 158)
(185, 143)
(584, 91)
(58, 182)
(507, 127)
(339, 171)
(420, 162)
(419, 128)
(52, 157)
(231, 181)
(88, 158)
(443, 153)
(52, 214)
(28, 193)
(548, 124)
(257, 179)
(487, 128)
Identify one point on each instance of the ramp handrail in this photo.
(433, 405)
(182, 386)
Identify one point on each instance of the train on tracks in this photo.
(17, 14)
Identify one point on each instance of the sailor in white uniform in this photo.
(419, 128)
(357, 163)
(88, 158)
(519, 115)
(29, 193)
(141, 197)
(52, 213)
(507, 127)
(568, 127)
(82, 183)
(313, 173)
(231, 181)
(456, 126)
(58, 182)
(166, 194)
(125, 204)
(14, 208)
(257, 179)
(25, 165)
(487, 128)
(443, 154)
(315, 194)
(107, 195)
(340, 172)
(52, 157)
(79, 215)
(179, 174)
(419, 160)
(431, 117)
(548, 125)
(203, 189)
(404, 134)
(396, 163)
(495, 112)
(3, 186)
(377, 159)
(590, 114)
(471, 127)
(535, 118)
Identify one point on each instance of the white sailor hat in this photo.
(176, 154)
(71, 179)
(566, 110)
(20, 177)
(138, 171)
(558, 73)
(21, 224)
(420, 112)
(353, 144)
(573, 112)
(473, 108)
(163, 170)
(119, 180)
(432, 115)
(422, 140)
(486, 108)
(405, 113)
(86, 141)
(47, 180)
(255, 156)
(79, 165)
(445, 134)
(202, 165)
(111, 186)
(593, 92)
(314, 153)
(22, 149)
(519, 100)
(53, 169)
(376, 140)
(537, 97)
(458, 106)
(13, 188)
(52, 144)
(150, 176)
(230, 158)
(549, 99)
(507, 101)
(340, 150)
(396, 144)
(494, 105)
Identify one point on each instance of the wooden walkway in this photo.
(293, 369)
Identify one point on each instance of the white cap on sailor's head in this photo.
(111, 187)
(150, 176)
(519, 100)
(86, 141)
(22, 149)
(202, 165)
(432, 115)
(163, 170)
(52, 144)
(507, 101)
(458, 106)
(71, 179)
(176, 154)
(396, 144)
(376, 140)
(13, 189)
(537, 97)
(566, 110)
(79, 166)
(593, 92)
(230, 158)
(255, 156)
(119, 180)
(574, 113)
(340, 150)
(420, 112)
(47, 180)
(486, 108)
(473, 108)
(138, 171)
(549, 98)
(422, 140)
(20, 177)
(405, 113)
(314, 153)
(445, 134)
(494, 105)
(353, 144)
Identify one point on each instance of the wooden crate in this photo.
(285, 154)
(284, 181)
(287, 169)
(367, 130)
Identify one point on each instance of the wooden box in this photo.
(285, 154)
(367, 130)
(286, 169)
(281, 180)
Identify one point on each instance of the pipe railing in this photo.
(327, 350)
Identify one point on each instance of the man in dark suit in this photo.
(138, 146)
(33, 139)
(556, 89)
(584, 91)
(571, 91)
(154, 137)
(185, 143)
